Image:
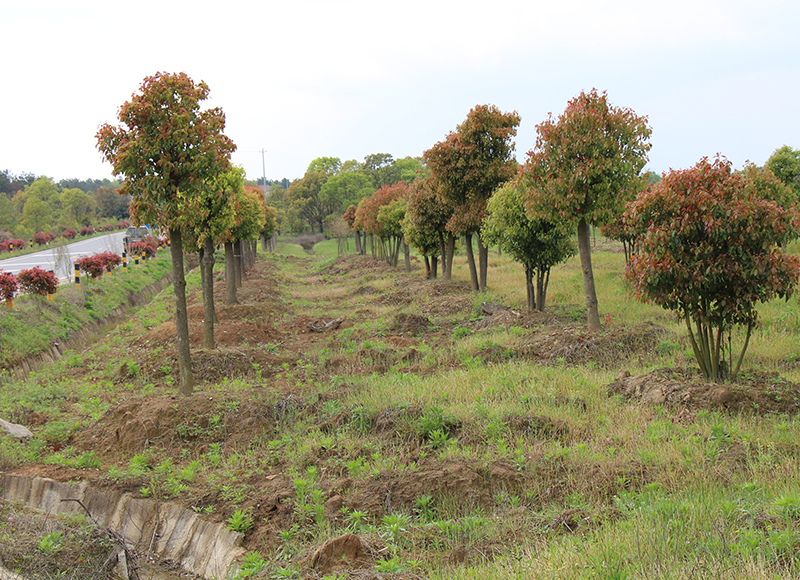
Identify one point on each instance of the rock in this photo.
(654, 396)
(16, 431)
(343, 552)
(458, 555)
(721, 395)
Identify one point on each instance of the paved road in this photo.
(61, 262)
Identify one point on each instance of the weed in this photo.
(241, 521)
(391, 566)
(51, 544)
(252, 564)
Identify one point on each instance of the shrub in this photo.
(69, 234)
(42, 238)
(4, 246)
(147, 247)
(708, 247)
(37, 281)
(87, 230)
(8, 286)
(110, 260)
(17, 244)
(124, 224)
(91, 265)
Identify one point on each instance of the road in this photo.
(61, 260)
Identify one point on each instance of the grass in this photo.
(509, 466)
(33, 325)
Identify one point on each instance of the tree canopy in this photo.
(709, 248)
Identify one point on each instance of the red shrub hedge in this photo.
(37, 281)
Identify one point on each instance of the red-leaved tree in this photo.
(167, 147)
(37, 281)
(467, 167)
(581, 164)
(708, 247)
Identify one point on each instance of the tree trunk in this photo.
(181, 317)
(238, 262)
(207, 269)
(358, 241)
(585, 251)
(443, 254)
(407, 255)
(450, 250)
(542, 279)
(427, 268)
(529, 288)
(473, 272)
(434, 267)
(230, 275)
(483, 262)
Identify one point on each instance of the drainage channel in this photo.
(166, 531)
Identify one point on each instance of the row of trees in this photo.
(585, 166)
(707, 243)
(175, 160)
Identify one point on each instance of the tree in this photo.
(580, 165)
(78, 206)
(303, 197)
(785, 164)
(468, 166)
(425, 221)
(111, 204)
(327, 165)
(343, 190)
(537, 243)
(208, 217)
(709, 248)
(167, 148)
(247, 224)
(411, 169)
(381, 169)
(36, 214)
(269, 229)
(386, 227)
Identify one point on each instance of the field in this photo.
(457, 435)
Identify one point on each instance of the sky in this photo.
(303, 79)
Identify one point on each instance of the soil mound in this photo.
(761, 394)
(607, 348)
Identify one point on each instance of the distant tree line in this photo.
(31, 204)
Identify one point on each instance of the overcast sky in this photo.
(303, 79)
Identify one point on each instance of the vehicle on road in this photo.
(133, 235)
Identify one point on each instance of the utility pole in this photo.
(264, 173)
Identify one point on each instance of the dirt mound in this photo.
(762, 394)
(168, 422)
(355, 266)
(474, 483)
(579, 345)
(410, 324)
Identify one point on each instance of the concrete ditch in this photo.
(164, 531)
